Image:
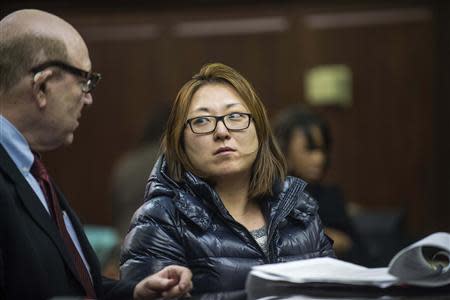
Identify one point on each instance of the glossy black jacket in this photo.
(187, 224)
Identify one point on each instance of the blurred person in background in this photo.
(305, 140)
(218, 201)
(129, 176)
(130, 173)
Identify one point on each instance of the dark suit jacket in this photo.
(34, 262)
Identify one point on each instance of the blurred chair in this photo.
(383, 232)
(104, 240)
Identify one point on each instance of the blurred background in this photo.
(378, 71)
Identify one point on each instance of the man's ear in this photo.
(39, 87)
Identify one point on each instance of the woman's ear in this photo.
(39, 87)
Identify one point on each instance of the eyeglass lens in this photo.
(207, 124)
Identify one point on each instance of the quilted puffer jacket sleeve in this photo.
(154, 240)
(326, 243)
(313, 240)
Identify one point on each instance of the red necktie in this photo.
(40, 173)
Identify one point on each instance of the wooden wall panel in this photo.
(132, 58)
(383, 141)
(386, 151)
(439, 211)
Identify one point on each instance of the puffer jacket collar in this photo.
(188, 202)
(193, 196)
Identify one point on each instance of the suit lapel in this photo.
(34, 207)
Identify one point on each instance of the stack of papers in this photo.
(425, 263)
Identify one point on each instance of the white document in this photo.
(324, 270)
(424, 263)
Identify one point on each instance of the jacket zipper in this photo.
(284, 212)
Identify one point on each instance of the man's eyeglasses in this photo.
(206, 124)
(90, 79)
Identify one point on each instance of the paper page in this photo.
(425, 259)
(326, 270)
(424, 263)
(441, 280)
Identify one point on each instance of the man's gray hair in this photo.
(19, 54)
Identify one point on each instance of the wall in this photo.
(387, 151)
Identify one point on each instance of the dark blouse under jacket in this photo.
(187, 224)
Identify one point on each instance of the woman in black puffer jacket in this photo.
(218, 201)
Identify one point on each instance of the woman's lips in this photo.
(224, 150)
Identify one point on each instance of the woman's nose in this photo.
(221, 131)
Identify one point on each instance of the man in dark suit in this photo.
(45, 82)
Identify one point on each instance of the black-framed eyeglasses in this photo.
(90, 79)
(234, 121)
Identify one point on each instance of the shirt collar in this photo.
(16, 145)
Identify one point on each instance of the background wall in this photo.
(391, 148)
